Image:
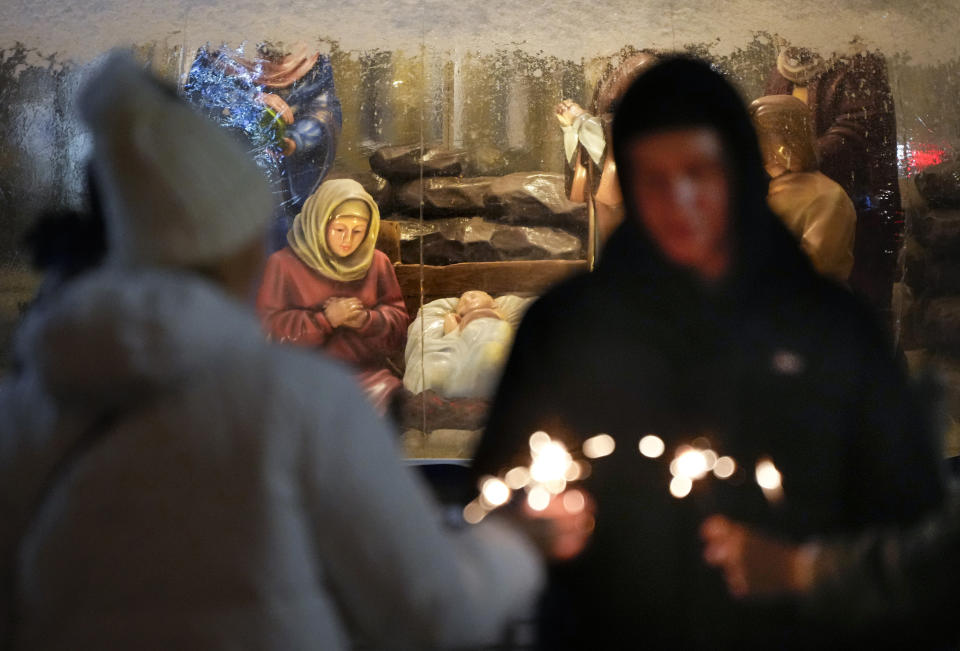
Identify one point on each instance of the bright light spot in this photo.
(538, 498)
(397, 82)
(473, 512)
(652, 446)
(711, 458)
(573, 472)
(584, 469)
(680, 486)
(517, 478)
(555, 486)
(598, 446)
(691, 463)
(767, 475)
(675, 467)
(550, 462)
(538, 440)
(724, 468)
(495, 492)
(574, 501)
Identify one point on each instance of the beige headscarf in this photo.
(800, 65)
(308, 235)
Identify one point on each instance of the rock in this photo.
(474, 239)
(938, 229)
(535, 199)
(445, 196)
(485, 160)
(403, 163)
(929, 273)
(376, 186)
(940, 185)
(410, 229)
(940, 325)
(535, 243)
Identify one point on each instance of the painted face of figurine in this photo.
(681, 190)
(474, 300)
(346, 232)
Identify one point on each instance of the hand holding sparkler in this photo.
(558, 520)
(567, 514)
(561, 530)
(754, 564)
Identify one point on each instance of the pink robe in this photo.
(290, 303)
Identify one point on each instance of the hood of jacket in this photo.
(682, 93)
(112, 335)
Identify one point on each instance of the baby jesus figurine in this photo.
(474, 304)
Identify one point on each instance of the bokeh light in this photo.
(538, 440)
(550, 461)
(768, 477)
(598, 446)
(555, 486)
(711, 458)
(691, 463)
(574, 501)
(724, 468)
(652, 446)
(701, 443)
(473, 512)
(495, 491)
(681, 486)
(583, 469)
(538, 498)
(574, 471)
(517, 478)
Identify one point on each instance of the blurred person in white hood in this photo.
(169, 480)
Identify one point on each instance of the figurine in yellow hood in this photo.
(331, 289)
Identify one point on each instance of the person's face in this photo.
(681, 188)
(345, 234)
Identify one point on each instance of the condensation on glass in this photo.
(481, 132)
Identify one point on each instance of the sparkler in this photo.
(553, 467)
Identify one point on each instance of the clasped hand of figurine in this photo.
(568, 111)
(345, 311)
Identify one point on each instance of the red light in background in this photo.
(917, 158)
(924, 158)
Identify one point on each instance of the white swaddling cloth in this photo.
(464, 363)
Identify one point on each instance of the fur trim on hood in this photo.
(111, 335)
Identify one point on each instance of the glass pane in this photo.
(449, 121)
(491, 235)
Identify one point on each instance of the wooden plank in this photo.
(519, 277)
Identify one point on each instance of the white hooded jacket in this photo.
(244, 497)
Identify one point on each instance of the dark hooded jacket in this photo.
(774, 362)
